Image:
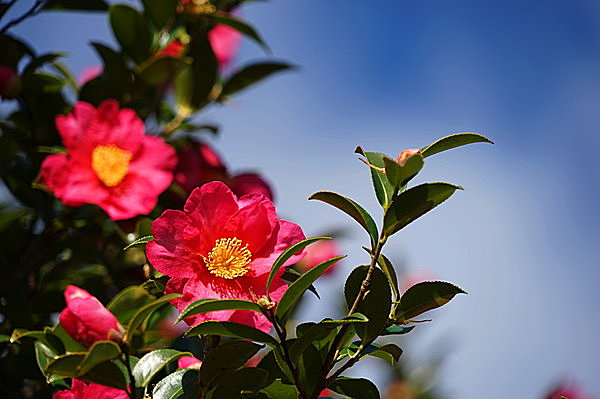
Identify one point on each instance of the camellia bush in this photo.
(136, 265)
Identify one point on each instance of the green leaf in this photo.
(309, 333)
(251, 74)
(389, 271)
(375, 305)
(399, 175)
(389, 352)
(246, 380)
(287, 254)
(425, 296)
(157, 70)
(211, 305)
(279, 390)
(227, 357)
(140, 241)
(355, 388)
(309, 368)
(75, 5)
(298, 287)
(160, 11)
(127, 302)
(383, 188)
(106, 373)
(240, 26)
(414, 203)
(351, 208)
(290, 275)
(116, 77)
(19, 333)
(100, 352)
(44, 355)
(144, 312)
(397, 330)
(176, 384)
(453, 141)
(153, 362)
(130, 30)
(353, 318)
(231, 329)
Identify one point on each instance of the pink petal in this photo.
(250, 183)
(224, 42)
(155, 160)
(286, 235)
(252, 225)
(72, 127)
(188, 362)
(96, 391)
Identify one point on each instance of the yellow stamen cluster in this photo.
(110, 164)
(228, 259)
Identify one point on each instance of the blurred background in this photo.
(522, 238)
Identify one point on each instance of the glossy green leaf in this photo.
(350, 208)
(252, 74)
(158, 70)
(290, 275)
(425, 296)
(414, 203)
(399, 175)
(389, 352)
(355, 388)
(383, 188)
(105, 373)
(390, 272)
(309, 333)
(240, 26)
(230, 329)
(116, 78)
(298, 287)
(286, 255)
(130, 30)
(75, 5)
(140, 241)
(211, 305)
(144, 312)
(126, 303)
(44, 355)
(194, 83)
(309, 368)
(279, 390)
(19, 333)
(397, 330)
(353, 318)
(246, 380)
(173, 386)
(153, 362)
(100, 352)
(375, 305)
(227, 357)
(453, 141)
(160, 11)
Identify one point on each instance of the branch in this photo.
(35, 8)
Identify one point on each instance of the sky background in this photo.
(522, 238)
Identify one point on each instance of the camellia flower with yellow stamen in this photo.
(222, 247)
(109, 162)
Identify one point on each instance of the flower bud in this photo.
(10, 83)
(188, 362)
(250, 183)
(86, 320)
(406, 154)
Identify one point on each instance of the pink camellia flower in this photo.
(222, 247)
(250, 183)
(224, 42)
(10, 83)
(89, 73)
(82, 390)
(406, 154)
(86, 320)
(198, 165)
(109, 161)
(319, 252)
(188, 362)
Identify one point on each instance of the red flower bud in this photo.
(10, 83)
(250, 183)
(188, 362)
(406, 154)
(86, 320)
(174, 49)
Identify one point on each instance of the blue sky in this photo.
(522, 238)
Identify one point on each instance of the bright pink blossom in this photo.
(82, 390)
(188, 362)
(10, 83)
(109, 161)
(224, 42)
(222, 247)
(86, 320)
(319, 252)
(406, 154)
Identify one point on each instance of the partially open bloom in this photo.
(188, 362)
(10, 83)
(82, 390)
(222, 247)
(109, 162)
(200, 164)
(319, 252)
(406, 154)
(86, 320)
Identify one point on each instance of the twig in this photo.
(35, 8)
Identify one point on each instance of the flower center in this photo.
(228, 259)
(110, 164)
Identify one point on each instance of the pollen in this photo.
(228, 259)
(110, 164)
